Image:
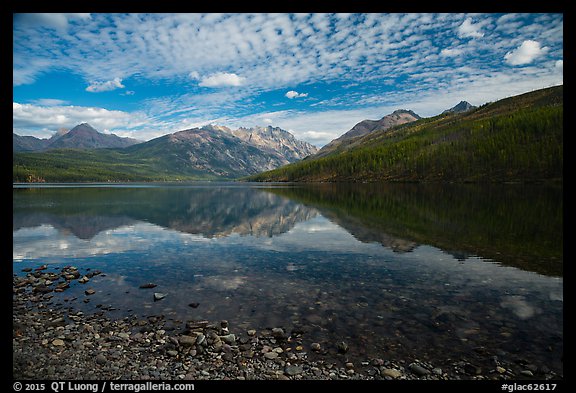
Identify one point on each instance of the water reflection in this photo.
(404, 271)
(519, 225)
(210, 212)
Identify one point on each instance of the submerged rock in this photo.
(159, 296)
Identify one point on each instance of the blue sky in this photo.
(315, 75)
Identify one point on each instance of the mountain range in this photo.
(83, 136)
(519, 138)
(205, 153)
(494, 142)
(345, 141)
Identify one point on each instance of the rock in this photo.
(251, 332)
(390, 372)
(194, 305)
(89, 292)
(101, 359)
(315, 347)
(278, 333)
(437, 371)
(201, 339)
(187, 340)
(271, 355)
(83, 280)
(293, 370)
(123, 335)
(196, 325)
(527, 373)
(418, 369)
(471, 369)
(41, 289)
(148, 285)
(229, 339)
(500, 370)
(27, 269)
(172, 353)
(57, 322)
(159, 296)
(342, 347)
(349, 365)
(58, 343)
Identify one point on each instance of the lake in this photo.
(437, 273)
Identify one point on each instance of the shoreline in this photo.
(61, 342)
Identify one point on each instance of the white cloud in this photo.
(273, 53)
(447, 52)
(97, 87)
(221, 79)
(470, 30)
(294, 94)
(525, 53)
(559, 64)
(27, 117)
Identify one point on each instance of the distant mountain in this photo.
(516, 139)
(400, 116)
(274, 139)
(206, 153)
(28, 143)
(462, 106)
(83, 136)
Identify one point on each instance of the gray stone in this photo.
(418, 369)
(293, 370)
(315, 346)
(172, 352)
(271, 355)
(159, 296)
(187, 340)
(229, 339)
(101, 359)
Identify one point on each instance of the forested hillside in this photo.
(515, 139)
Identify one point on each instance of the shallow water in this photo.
(441, 273)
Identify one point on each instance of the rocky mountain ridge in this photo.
(82, 136)
(400, 116)
(461, 107)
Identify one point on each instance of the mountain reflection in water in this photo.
(442, 271)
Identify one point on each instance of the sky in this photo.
(315, 75)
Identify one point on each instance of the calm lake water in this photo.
(437, 273)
